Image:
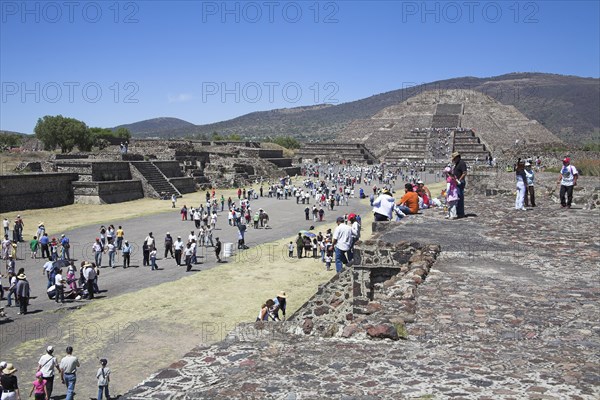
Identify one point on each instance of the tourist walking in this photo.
(112, 251)
(23, 293)
(218, 250)
(89, 273)
(103, 376)
(98, 249)
(168, 245)
(46, 366)
(342, 240)
(39, 388)
(188, 256)
(68, 372)
(567, 180)
(126, 251)
(9, 383)
(178, 245)
(59, 286)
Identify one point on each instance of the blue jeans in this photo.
(153, 262)
(98, 258)
(11, 292)
(111, 259)
(70, 380)
(103, 389)
(404, 209)
(340, 258)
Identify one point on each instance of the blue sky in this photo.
(111, 63)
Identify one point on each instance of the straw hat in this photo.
(455, 154)
(22, 277)
(10, 369)
(281, 294)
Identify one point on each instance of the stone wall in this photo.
(37, 190)
(373, 299)
(96, 170)
(327, 310)
(171, 169)
(260, 153)
(184, 184)
(110, 171)
(107, 192)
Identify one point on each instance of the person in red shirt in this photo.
(409, 203)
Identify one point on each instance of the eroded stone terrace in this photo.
(509, 310)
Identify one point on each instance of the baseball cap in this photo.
(49, 349)
(351, 216)
(567, 160)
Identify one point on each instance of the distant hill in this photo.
(157, 126)
(569, 106)
(13, 133)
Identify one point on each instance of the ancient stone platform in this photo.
(509, 310)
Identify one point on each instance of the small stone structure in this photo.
(36, 190)
(373, 299)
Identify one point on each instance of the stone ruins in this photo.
(150, 168)
(428, 127)
(503, 304)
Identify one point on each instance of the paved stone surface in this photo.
(510, 310)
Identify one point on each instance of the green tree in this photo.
(62, 132)
(287, 141)
(9, 140)
(216, 137)
(123, 133)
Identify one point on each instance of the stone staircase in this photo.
(155, 178)
(470, 147)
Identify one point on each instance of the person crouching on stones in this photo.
(263, 314)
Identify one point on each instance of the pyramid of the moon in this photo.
(432, 124)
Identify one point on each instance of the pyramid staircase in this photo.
(155, 178)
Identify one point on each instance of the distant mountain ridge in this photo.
(569, 106)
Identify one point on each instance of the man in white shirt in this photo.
(46, 365)
(178, 245)
(342, 242)
(89, 273)
(59, 283)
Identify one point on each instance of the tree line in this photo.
(68, 133)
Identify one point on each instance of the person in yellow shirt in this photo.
(120, 236)
(408, 204)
